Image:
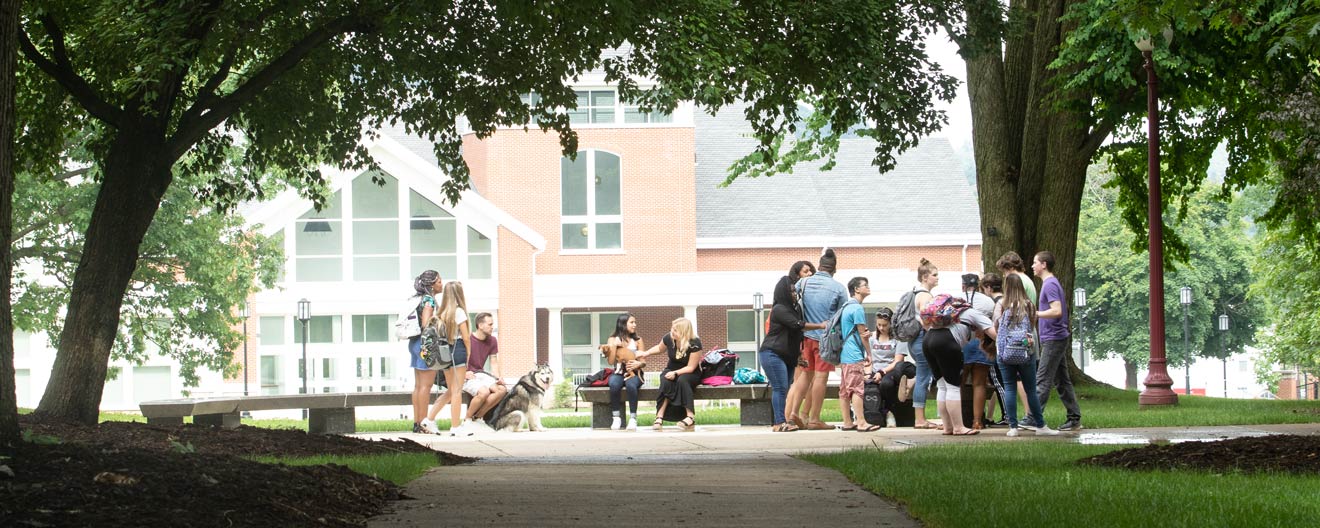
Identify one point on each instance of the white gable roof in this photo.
(413, 171)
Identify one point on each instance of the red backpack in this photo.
(943, 311)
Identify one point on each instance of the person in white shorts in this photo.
(487, 390)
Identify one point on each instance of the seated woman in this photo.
(627, 374)
(680, 376)
(888, 365)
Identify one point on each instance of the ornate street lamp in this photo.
(1079, 300)
(304, 314)
(243, 313)
(1158, 383)
(1185, 299)
(1223, 329)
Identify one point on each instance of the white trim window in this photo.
(591, 218)
(583, 334)
(319, 243)
(602, 106)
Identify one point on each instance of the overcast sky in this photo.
(959, 129)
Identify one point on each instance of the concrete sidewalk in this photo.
(720, 475)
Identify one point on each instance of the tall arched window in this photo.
(590, 211)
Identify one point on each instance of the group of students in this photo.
(808, 297)
(471, 349)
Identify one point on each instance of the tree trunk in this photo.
(1130, 374)
(8, 55)
(135, 180)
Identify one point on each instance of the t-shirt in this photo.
(882, 352)
(962, 333)
(981, 302)
(853, 315)
(1053, 329)
(479, 351)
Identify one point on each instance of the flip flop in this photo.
(869, 428)
(798, 421)
(929, 425)
(849, 428)
(968, 432)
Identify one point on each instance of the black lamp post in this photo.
(243, 313)
(304, 313)
(758, 304)
(1185, 299)
(1223, 329)
(1158, 383)
(1079, 300)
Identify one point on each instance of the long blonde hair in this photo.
(682, 335)
(453, 300)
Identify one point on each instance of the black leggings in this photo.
(944, 355)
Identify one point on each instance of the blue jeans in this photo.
(1027, 375)
(780, 376)
(924, 375)
(617, 384)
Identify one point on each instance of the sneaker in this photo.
(615, 423)
(427, 426)
(889, 421)
(632, 423)
(1071, 425)
(1026, 424)
(1012, 432)
(1045, 430)
(463, 429)
(481, 425)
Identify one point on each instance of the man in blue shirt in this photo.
(821, 296)
(853, 357)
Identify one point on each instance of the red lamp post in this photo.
(1158, 383)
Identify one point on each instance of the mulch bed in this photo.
(1277, 453)
(132, 474)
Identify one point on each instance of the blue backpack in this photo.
(831, 344)
(1014, 342)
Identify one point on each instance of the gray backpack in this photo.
(831, 344)
(906, 325)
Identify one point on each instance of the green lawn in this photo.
(1102, 407)
(1038, 484)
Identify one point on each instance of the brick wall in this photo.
(521, 176)
(516, 316)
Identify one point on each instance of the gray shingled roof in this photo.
(814, 203)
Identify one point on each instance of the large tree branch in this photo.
(63, 72)
(172, 83)
(206, 94)
(60, 214)
(190, 132)
(1097, 136)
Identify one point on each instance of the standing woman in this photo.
(680, 376)
(1018, 317)
(928, 277)
(782, 348)
(625, 335)
(453, 316)
(799, 377)
(426, 286)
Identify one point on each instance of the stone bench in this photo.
(327, 413)
(753, 400)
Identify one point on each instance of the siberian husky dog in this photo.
(523, 404)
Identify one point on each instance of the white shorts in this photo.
(479, 381)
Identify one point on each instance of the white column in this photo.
(554, 337)
(690, 312)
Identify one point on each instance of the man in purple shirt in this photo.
(1053, 334)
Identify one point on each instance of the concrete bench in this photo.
(753, 400)
(327, 413)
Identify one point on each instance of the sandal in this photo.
(868, 428)
(968, 432)
(797, 420)
(687, 425)
(658, 425)
(819, 426)
(929, 425)
(848, 428)
(788, 427)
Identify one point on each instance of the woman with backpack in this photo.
(950, 324)
(928, 277)
(426, 286)
(1016, 357)
(454, 320)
